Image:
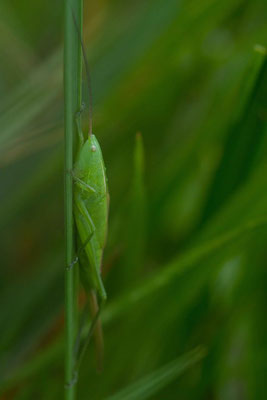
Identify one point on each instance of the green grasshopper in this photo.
(91, 203)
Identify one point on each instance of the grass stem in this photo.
(72, 98)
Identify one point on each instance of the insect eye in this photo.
(93, 148)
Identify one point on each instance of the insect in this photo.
(91, 203)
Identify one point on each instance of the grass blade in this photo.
(157, 380)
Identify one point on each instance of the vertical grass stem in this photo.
(72, 99)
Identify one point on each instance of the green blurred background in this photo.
(185, 262)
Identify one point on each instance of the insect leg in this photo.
(85, 224)
(82, 184)
(84, 220)
(76, 259)
(98, 332)
(78, 120)
(73, 381)
(88, 338)
(71, 265)
(82, 352)
(82, 323)
(81, 212)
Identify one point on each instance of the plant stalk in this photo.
(72, 99)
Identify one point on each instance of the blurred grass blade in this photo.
(128, 300)
(243, 140)
(157, 380)
(136, 238)
(181, 264)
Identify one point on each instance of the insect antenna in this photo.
(88, 76)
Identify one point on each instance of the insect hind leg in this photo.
(76, 259)
(83, 185)
(92, 327)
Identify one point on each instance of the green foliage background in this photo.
(185, 263)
